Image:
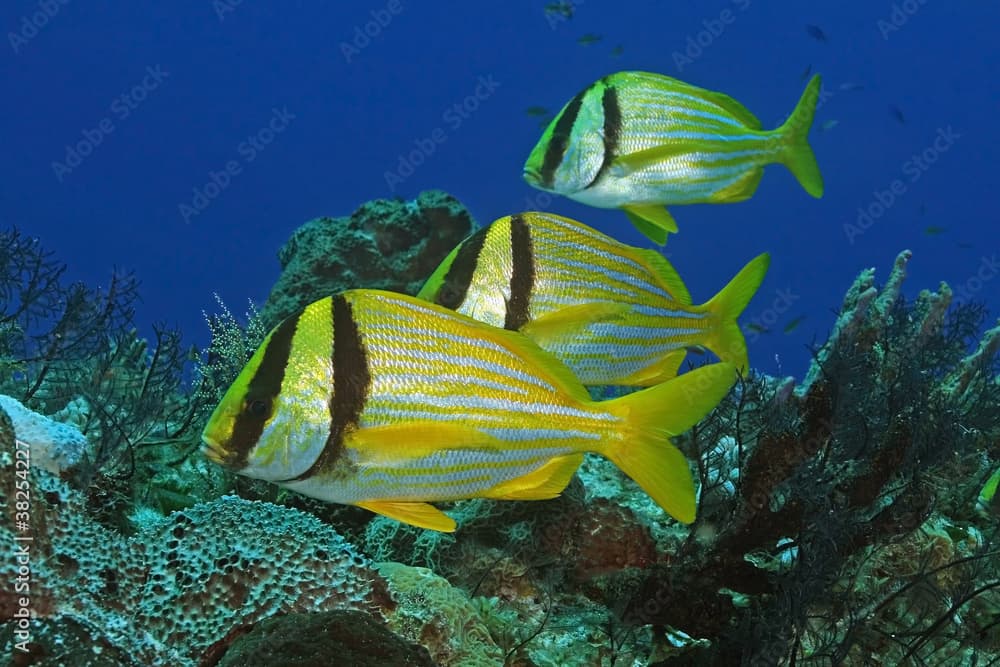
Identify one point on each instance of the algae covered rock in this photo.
(385, 244)
(320, 639)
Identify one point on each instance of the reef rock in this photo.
(385, 244)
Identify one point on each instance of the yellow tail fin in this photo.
(646, 454)
(725, 339)
(798, 155)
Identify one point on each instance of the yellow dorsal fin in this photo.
(570, 322)
(652, 220)
(548, 481)
(740, 112)
(672, 282)
(421, 515)
(394, 444)
(663, 370)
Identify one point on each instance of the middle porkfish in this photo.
(387, 402)
(615, 314)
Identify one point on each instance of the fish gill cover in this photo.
(844, 489)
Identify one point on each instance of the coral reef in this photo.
(312, 640)
(850, 529)
(385, 244)
(845, 516)
(185, 586)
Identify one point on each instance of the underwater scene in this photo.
(525, 334)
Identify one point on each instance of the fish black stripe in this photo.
(459, 277)
(351, 384)
(522, 275)
(559, 141)
(612, 129)
(265, 385)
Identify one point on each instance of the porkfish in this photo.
(390, 403)
(613, 313)
(640, 141)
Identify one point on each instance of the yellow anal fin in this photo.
(740, 190)
(421, 515)
(571, 322)
(663, 370)
(398, 444)
(653, 221)
(548, 481)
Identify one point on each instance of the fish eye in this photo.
(259, 407)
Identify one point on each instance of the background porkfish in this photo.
(387, 402)
(615, 314)
(639, 141)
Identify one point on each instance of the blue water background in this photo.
(211, 75)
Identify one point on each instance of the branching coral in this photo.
(786, 562)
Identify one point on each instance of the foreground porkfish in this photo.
(387, 402)
(616, 315)
(640, 141)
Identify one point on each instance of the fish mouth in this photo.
(212, 451)
(533, 176)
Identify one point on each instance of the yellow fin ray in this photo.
(741, 189)
(654, 221)
(662, 267)
(741, 113)
(645, 453)
(663, 370)
(623, 165)
(398, 444)
(571, 321)
(421, 515)
(548, 481)
(798, 155)
(725, 339)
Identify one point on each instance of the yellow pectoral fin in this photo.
(571, 321)
(397, 444)
(655, 222)
(663, 370)
(548, 481)
(421, 515)
(623, 165)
